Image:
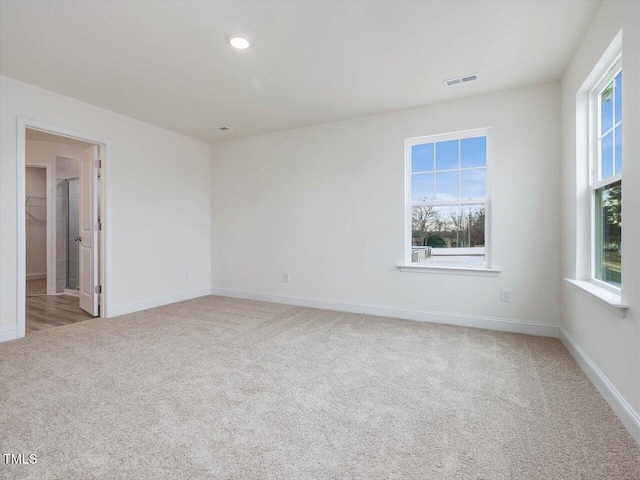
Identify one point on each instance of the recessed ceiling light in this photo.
(238, 41)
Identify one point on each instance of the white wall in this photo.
(326, 204)
(44, 153)
(612, 343)
(159, 221)
(36, 222)
(67, 167)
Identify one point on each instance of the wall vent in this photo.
(459, 80)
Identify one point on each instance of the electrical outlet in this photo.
(505, 295)
(187, 275)
(285, 277)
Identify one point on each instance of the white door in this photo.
(89, 231)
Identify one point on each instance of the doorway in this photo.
(62, 248)
(37, 204)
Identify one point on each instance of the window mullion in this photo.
(605, 183)
(448, 203)
(600, 137)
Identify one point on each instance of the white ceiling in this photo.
(167, 63)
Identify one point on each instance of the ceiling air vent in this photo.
(459, 80)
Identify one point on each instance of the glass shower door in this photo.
(73, 235)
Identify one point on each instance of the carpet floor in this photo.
(234, 389)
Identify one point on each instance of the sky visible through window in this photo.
(611, 128)
(454, 169)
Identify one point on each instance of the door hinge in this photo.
(98, 226)
(98, 163)
(98, 289)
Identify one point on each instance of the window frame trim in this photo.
(408, 204)
(595, 181)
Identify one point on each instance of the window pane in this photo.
(618, 144)
(421, 187)
(422, 158)
(447, 185)
(452, 235)
(606, 108)
(608, 261)
(473, 183)
(618, 98)
(425, 222)
(606, 155)
(447, 155)
(473, 152)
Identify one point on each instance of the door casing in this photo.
(105, 213)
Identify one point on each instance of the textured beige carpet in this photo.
(224, 388)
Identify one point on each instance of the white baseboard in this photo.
(488, 323)
(68, 291)
(131, 307)
(7, 334)
(627, 415)
(36, 276)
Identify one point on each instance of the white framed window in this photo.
(447, 202)
(606, 179)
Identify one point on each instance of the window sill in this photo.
(474, 271)
(609, 299)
